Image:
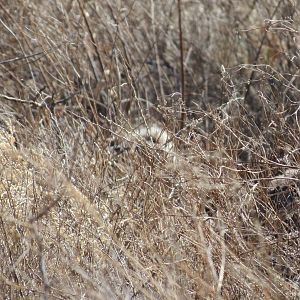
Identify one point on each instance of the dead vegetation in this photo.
(114, 186)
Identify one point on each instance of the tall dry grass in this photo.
(106, 193)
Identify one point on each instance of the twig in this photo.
(185, 104)
(258, 53)
(42, 53)
(62, 101)
(92, 38)
(13, 99)
(5, 239)
(42, 263)
(20, 58)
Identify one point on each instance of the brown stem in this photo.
(185, 104)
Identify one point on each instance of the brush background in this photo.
(88, 210)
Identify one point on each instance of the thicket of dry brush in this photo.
(106, 192)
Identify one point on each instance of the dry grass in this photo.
(107, 192)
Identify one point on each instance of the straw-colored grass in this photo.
(115, 186)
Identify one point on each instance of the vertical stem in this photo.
(162, 92)
(185, 104)
(258, 53)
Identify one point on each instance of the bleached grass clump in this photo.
(7, 138)
(156, 137)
